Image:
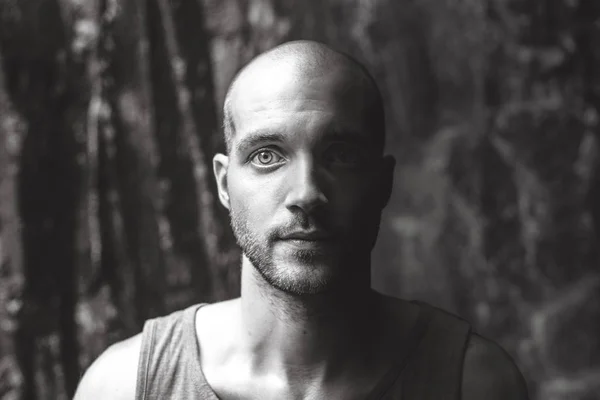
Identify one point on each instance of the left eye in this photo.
(343, 154)
(265, 158)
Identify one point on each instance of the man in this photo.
(305, 181)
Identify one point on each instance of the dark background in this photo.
(110, 113)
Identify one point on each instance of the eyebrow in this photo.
(348, 136)
(264, 136)
(255, 138)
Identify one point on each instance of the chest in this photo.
(354, 385)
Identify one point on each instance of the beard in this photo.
(297, 271)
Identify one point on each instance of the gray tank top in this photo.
(429, 369)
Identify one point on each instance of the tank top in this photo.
(430, 368)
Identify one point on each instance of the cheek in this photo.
(354, 208)
(250, 199)
(352, 197)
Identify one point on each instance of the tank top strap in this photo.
(436, 368)
(169, 362)
(144, 359)
(414, 337)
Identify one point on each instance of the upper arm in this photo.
(114, 374)
(490, 373)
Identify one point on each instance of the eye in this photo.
(343, 154)
(265, 158)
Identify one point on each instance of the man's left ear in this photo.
(388, 164)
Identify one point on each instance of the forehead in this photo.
(282, 97)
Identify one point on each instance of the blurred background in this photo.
(110, 112)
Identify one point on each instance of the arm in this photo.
(490, 373)
(114, 374)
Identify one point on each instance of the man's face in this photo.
(304, 179)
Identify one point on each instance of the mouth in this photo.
(309, 240)
(308, 236)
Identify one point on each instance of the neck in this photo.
(305, 332)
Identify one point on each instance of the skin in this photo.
(307, 324)
(303, 161)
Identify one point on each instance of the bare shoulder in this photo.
(113, 374)
(216, 320)
(489, 372)
(216, 329)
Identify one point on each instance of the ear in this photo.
(387, 179)
(220, 164)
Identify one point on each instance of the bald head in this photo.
(305, 61)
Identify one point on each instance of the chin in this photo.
(299, 277)
(302, 287)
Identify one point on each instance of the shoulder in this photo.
(114, 373)
(217, 330)
(490, 373)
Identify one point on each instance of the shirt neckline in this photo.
(383, 385)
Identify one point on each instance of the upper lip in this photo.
(307, 235)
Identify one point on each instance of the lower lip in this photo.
(308, 244)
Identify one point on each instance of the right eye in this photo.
(266, 158)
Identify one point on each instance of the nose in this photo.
(304, 188)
